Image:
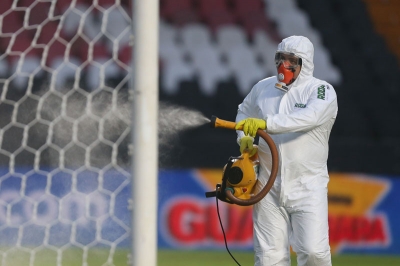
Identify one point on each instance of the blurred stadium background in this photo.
(202, 43)
(64, 119)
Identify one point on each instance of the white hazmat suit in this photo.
(295, 211)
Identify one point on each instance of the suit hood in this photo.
(302, 47)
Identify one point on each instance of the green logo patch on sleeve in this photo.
(321, 92)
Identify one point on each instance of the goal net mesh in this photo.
(64, 134)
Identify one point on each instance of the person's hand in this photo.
(246, 143)
(251, 125)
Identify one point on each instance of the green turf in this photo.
(221, 258)
(100, 257)
(68, 257)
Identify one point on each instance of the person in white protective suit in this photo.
(298, 111)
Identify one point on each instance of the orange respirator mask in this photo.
(286, 64)
(285, 74)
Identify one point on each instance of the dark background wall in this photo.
(365, 138)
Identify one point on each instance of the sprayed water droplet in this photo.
(115, 117)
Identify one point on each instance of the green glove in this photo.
(246, 143)
(251, 125)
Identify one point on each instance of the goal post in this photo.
(145, 133)
(65, 130)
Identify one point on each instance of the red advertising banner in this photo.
(361, 213)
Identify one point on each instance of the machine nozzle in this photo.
(213, 121)
(216, 122)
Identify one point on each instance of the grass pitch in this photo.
(99, 257)
(65, 257)
(222, 258)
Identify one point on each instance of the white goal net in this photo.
(64, 132)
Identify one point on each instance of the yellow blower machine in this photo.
(240, 173)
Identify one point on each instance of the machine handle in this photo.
(216, 122)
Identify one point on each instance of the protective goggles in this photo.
(289, 60)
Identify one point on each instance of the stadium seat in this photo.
(336, 42)
(220, 19)
(355, 8)
(382, 110)
(99, 72)
(91, 28)
(118, 27)
(195, 36)
(38, 12)
(14, 22)
(352, 121)
(169, 48)
(5, 6)
(22, 44)
(63, 71)
(323, 67)
(241, 59)
(263, 41)
(73, 17)
(229, 36)
(207, 8)
(391, 147)
(258, 21)
(175, 71)
(357, 155)
(178, 11)
(26, 3)
(317, 8)
(210, 69)
(205, 58)
(265, 48)
(98, 52)
(385, 18)
(106, 3)
(168, 34)
(227, 99)
(55, 51)
(4, 67)
(170, 53)
(274, 8)
(23, 69)
(48, 32)
(169, 7)
(243, 9)
(296, 22)
(79, 48)
(63, 5)
(189, 95)
(125, 54)
(243, 64)
(166, 28)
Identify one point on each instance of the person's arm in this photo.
(321, 106)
